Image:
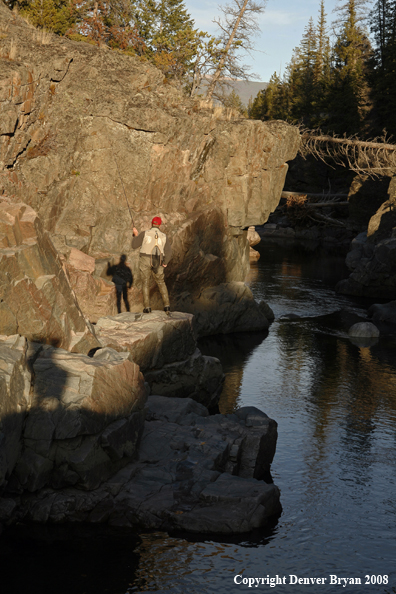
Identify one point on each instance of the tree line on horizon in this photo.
(343, 83)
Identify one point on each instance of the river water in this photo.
(335, 404)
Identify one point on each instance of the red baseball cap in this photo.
(156, 221)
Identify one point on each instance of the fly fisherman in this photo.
(155, 253)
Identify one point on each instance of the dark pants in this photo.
(122, 290)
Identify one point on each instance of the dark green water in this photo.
(335, 404)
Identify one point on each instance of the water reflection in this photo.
(233, 350)
(335, 463)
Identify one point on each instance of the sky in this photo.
(282, 26)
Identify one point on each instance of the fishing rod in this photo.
(122, 183)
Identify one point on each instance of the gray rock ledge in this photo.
(195, 472)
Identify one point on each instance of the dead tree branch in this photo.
(374, 158)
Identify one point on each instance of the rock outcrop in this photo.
(194, 472)
(76, 447)
(165, 348)
(226, 308)
(74, 118)
(372, 257)
(14, 402)
(36, 299)
(78, 422)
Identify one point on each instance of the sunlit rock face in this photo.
(165, 348)
(36, 299)
(90, 137)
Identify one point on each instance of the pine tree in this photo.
(273, 103)
(169, 34)
(349, 93)
(54, 15)
(146, 16)
(234, 102)
(321, 72)
(302, 75)
(383, 25)
(160, 20)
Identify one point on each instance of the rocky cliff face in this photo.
(372, 257)
(84, 130)
(36, 299)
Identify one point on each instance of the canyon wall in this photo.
(89, 137)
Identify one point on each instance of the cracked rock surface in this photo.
(165, 348)
(195, 472)
(65, 418)
(36, 299)
(79, 123)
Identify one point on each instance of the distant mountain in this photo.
(245, 89)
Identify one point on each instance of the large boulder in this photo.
(36, 299)
(195, 472)
(153, 340)
(199, 377)
(364, 330)
(80, 124)
(165, 348)
(384, 316)
(372, 258)
(225, 308)
(85, 419)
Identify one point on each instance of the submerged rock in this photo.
(364, 330)
(195, 472)
(363, 334)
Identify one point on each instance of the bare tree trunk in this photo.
(220, 66)
(349, 142)
(315, 195)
